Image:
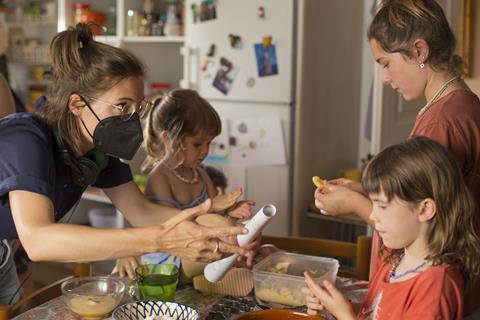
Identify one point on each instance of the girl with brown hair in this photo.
(424, 213)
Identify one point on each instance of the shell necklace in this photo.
(438, 94)
(395, 276)
(183, 179)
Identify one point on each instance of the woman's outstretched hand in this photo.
(338, 201)
(184, 237)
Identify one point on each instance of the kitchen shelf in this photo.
(153, 39)
(111, 40)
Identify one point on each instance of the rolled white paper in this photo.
(215, 271)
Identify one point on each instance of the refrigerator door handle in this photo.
(190, 67)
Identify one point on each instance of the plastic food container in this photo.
(279, 277)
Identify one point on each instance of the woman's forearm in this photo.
(74, 243)
(137, 209)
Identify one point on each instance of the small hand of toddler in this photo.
(126, 266)
(241, 209)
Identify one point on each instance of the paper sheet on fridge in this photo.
(256, 141)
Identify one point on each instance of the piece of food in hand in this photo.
(320, 184)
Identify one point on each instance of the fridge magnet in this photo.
(242, 127)
(195, 12)
(211, 51)
(208, 10)
(235, 41)
(250, 82)
(266, 60)
(261, 12)
(225, 75)
(207, 64)
(207, 67)
(267, 41)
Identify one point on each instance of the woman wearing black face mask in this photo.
(89, 121)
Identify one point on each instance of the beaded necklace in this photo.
(438, 94)
(394, 276)
(176, 174)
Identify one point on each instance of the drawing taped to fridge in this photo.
(244, 142)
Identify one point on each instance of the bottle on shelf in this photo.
(132, 23)
(157, 26)
(172, 25)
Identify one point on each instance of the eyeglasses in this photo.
(127, 110)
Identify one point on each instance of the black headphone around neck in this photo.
(87, 168)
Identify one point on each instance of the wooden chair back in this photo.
(43, 294)
(359, 252)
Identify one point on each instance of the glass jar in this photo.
(157, 26)
(132, 22)
(172, 25)
(145, 27)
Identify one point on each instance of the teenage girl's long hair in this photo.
(400, 22)
(421, 168)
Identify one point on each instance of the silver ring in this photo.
(188, 243)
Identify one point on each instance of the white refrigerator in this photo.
(240, 56)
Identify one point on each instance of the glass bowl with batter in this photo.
(93, 298)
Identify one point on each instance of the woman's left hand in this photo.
(329, 297)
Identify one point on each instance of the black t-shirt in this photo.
(30, 160)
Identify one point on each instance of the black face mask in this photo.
(117, 137)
